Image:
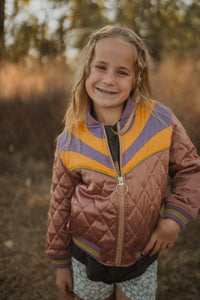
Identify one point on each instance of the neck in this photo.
(107, 117)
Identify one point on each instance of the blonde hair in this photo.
(77, 110)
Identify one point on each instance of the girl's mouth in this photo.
(106, 92)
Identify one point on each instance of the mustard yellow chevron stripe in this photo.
(142, 116)
(74, 160)
(157, 143)
(92, 141)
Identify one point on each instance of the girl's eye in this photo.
(101, 67)
(123, 73)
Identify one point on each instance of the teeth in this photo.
(106, 92)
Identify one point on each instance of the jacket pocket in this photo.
(69, 225)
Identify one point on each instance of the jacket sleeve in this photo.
(184, 169)
(58, 239)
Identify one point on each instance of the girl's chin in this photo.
(108, 105)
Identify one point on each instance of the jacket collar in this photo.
(129, 107)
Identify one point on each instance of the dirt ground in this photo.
(25, 272)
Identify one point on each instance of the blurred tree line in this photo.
(166, 25)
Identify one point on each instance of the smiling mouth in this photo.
(106, 92)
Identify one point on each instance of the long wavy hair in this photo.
(76, 113)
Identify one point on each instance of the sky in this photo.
(42, 9)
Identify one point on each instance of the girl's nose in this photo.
(109, 79)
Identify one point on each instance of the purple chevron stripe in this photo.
(123, 123)
(127, 110)
(96, 130)
(80, 147)
(159, 119)
(62, 141)
(93, 125)
(164, 113)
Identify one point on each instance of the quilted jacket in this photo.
(110, 214)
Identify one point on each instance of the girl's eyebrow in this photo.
(100, 62)
(124, 68)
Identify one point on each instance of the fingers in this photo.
(66, 292)
(63, 289)
(70, 284)
(163, 237)
(70, 295)
(64, 282)
(150, 245)
(155, 246)
(170, 245)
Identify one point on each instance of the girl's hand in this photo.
(164, 236)
(64, 282)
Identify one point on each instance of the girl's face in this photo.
(112, 75)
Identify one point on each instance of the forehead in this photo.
(115, 50)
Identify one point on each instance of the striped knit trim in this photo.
(138, 255)
(61, 263)
(87, 247)
(177, 214)
(84, 245)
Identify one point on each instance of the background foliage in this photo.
(167, 25)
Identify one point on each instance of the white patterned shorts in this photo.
(139, 288)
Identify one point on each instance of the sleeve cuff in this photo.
(61, 263)
(177, 214)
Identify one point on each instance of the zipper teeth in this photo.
(121, 217)
(121, 214)
(120, 235)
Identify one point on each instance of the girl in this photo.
(110, 176)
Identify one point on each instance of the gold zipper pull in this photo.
(121, 187)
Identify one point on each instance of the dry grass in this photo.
(25, 273)
(176, 84)
(30, 119)
(21, 82)
(32, 106)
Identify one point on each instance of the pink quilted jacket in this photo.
(111, 214)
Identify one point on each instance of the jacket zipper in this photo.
(121, 189)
